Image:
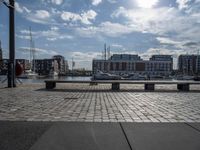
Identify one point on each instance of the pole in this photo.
(72, 66)
(11, 65)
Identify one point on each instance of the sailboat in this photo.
(29, 74)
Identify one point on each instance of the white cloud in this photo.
(18, 8)
(105, 28)
(148, 20)
(84, 17)
(145, 4)
(115, 45)
(96, 2)
(42, 14)
(57, 2)
(83, 59)
(169, 21)
(51, 35)
(39, 16)
(182, 4)
(168, 41)
(21, 9)
(112, 1)
(38, 51)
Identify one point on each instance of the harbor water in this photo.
(41, 80)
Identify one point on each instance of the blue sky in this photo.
(79, 28)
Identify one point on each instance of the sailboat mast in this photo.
(31, 44)
(197, 63)
(33, 51)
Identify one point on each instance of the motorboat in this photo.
(136, 77)
(53, 74)
(197, 78)
(105, 76)
(184, 77)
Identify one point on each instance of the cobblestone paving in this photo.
(74, 102)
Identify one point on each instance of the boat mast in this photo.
(31, 44)
(33, 53)
(197, 63)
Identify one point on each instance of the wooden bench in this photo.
(148, 85)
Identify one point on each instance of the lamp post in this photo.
(11, 63)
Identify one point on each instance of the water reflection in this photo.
(67, 78)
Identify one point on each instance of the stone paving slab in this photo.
(78, 136)
(31, 135)
(196, 126)
(85, 103)
(162, 136)
(20, 135)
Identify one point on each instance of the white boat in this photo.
(154, 77)
(105, 76)
(28, 75)
(184, 77)
(53, 74)
(136, 77)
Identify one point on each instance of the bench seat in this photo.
(149, 85)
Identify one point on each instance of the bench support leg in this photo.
(149, 87)
(183, 87)
(93, 83)
(115, 86)
(50, 85)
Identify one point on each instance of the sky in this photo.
(78, 29)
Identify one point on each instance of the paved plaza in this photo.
(85, 103)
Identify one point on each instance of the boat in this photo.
(105, 76)
(28, 75)
(53, 74)
(136, 77)
(197, 78)
(156, 77)
(184, 77)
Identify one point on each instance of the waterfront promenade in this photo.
(85, 103)
(84, 117)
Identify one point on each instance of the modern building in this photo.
(61, 64)
(161, 58)
(125, 57)
(46, 66)
(4, 67)
(189, 64)
(126, 64)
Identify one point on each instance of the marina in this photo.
(99, 75)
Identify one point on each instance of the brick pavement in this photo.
(74, 102)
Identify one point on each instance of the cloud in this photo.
(105, 28)
(148, 20)
(194, 45)
(115, 45)
(42, 14)
(182, 4)
(51, 35)
(169, 42)
(39, 16)
(84, 17)
(44, 52)
(83, 59)
(57, 2)
(170, 22)
(21, 9)
(112, 1)
(96, 2)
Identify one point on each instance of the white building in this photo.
(125, 64)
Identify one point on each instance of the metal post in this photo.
(11, 65)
